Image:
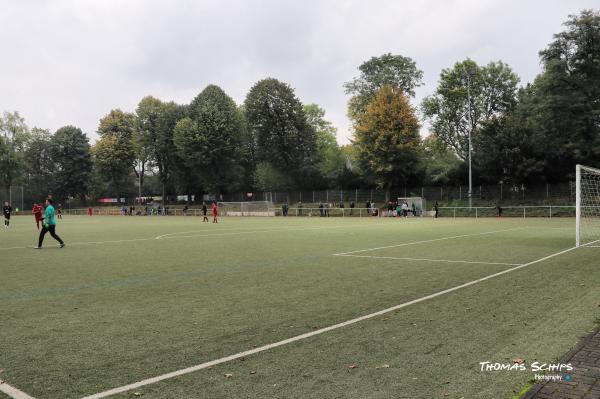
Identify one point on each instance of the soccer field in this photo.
(132, 298)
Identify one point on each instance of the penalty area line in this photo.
(13, 392)
(300, 337)
(431, 240)
(433, 260)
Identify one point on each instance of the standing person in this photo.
(414, 209)
(59, 211)
(499, 211)
(7, 210)
(90, 211)
(215, 210)
(405, 209)
(436, 209)
(49, 225)
(204, 210)
(351, 207)
(37, 213)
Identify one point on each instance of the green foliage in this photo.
(14, 136)
(441, 165)
(387, 139)
(72, 161)
(40, 162)
(209, 140)
(267, 178)
(330, 159)
(283, 135)
(114, 153)
(467, 97)
(393, 70)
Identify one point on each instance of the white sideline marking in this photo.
(13, 392)
(432, 240)
(433, 260)
(211, 363)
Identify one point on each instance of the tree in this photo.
(563, 102)
(329, 156)
(467, 97)
(387, 139)
(214, 148)
(14, 136)
(114, 152)
(146, 137)
(393, 70)
(40, 163)
(283, 136)
(441, 165)
(73, 162)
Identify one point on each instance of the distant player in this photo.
(7, 210)
(37, 211)
(90, 211)
(59, 211)
(49, 225)
(499, 211)
(215, 210)
(204, 211)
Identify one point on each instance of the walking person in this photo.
(215, 210)
(59, 211)
(436, 209)
(49, 225)
(37, 213)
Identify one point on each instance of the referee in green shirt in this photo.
(49, 225)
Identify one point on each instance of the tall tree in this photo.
(147, 138)
(388, 69)
(284, 138)
(41, 165)
(387, 139)
(441, 165)
(467, 97)
(73, 162)
(329, 156)
(14, 136)
(114, 152)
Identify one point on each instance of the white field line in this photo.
(165, 237)
(433, 260)
(431, 240)
(13, 392)
(202, 366)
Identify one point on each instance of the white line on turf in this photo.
(431, 240)
(433, 260)
(13, 392)
(202, 366)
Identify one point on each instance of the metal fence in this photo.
(545, 194)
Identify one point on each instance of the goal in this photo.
(416, 203)
(253, 208)
(587, 201)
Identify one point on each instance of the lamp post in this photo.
(468, 78)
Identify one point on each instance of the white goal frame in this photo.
(584, 209)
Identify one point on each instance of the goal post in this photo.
(253, 208)
(587, 206)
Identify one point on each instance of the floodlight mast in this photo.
(468, 76)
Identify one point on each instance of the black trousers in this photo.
(52, 230)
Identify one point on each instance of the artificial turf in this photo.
(118, 305)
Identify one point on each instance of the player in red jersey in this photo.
(37, 213)
(215, 210)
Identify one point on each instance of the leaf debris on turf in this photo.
(383, 366)
(519, 360)
(228, 375)
(352, 366)
(138, 394)
(252, 371)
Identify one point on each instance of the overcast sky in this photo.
(72, 61)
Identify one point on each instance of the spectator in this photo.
(351, 207)
(321, 209)
(436, 209)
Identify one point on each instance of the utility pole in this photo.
(468, 77)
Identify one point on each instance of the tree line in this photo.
(520, 135)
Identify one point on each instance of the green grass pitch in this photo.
(118, 305)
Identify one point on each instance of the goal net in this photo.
(253, 208)
(587, 206)
(416, 205)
